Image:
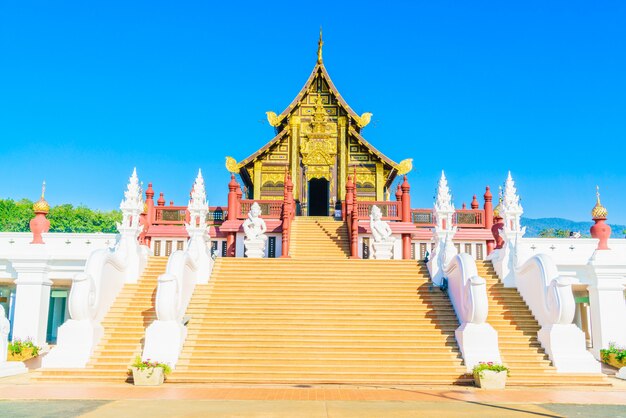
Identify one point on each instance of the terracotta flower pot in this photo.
(150, 376)
(489, 379)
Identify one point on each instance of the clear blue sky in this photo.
(88, 90)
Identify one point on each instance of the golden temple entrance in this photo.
(318, 197)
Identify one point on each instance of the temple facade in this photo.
(319, 142)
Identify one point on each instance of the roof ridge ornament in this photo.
(320, 44)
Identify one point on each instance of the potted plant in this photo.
(490, 375)
(22, 350)
(149, 373)
(614, 355)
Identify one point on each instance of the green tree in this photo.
(15, 217)
(554, 233)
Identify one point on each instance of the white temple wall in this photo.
(34, 275)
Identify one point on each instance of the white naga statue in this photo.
(254, 228)
(5, 327)
(7, 368)
(382, 234)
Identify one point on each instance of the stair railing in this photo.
(551, 300)
(166, 335)
(94, 290)
(477, 339)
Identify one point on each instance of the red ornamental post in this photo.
(232, 215)
(287, 215)
(600, 229)
(406, 217)
(40, 224)
(489, 217)
(354, 236)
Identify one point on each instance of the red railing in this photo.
(269, 208)
(389, 210)
(177, 215)
(170, 215)
(422, 217)
(463, 218)
(469, 218)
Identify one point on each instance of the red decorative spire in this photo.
(600, 230)
(149, 192)
(463, 206)
(161, 201)
(474, 204)
(399, 193)
(40, 224)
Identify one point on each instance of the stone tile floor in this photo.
(22, 397)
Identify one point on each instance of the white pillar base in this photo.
(75, 343)
(382, 250)
(478, 343)
(164, 341)
(621, 373)
(12, 368)
(255, 249)
(566, 347)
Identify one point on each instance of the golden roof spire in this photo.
(41, 205)
(320, 43)
(598, 210)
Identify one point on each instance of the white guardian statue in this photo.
(254, 227)
(383, 238)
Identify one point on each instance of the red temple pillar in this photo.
(232, 215)
(354, 220)
(489, 217)
(287, 215)
(406, 217)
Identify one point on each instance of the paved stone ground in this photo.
(22, 397)
(300, 409)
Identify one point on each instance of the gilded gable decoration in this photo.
(318, 142)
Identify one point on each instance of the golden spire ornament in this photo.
(320, 43)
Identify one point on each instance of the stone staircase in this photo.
(319, 317)
(315, 237)
(124, 329)
(517, 333)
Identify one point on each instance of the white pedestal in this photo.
(164, 341)
(621, 374)
(11, 368)
(478, 343)
(255, 248)
(75, 343)
(565, 345)
(382, 250)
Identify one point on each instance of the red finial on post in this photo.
(40, 224)
(161, 201)
(600, 229)
(474, 204)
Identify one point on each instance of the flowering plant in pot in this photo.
(21, 350)
(614, 355)
(490, 375)
(148, 373)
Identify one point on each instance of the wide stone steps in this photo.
(124, 328)
(521, 350)
(317, 320)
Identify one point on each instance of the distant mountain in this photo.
(534, 226)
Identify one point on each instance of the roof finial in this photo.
(320, 43)
(43, 189)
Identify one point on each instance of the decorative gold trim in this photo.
(231, 165)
